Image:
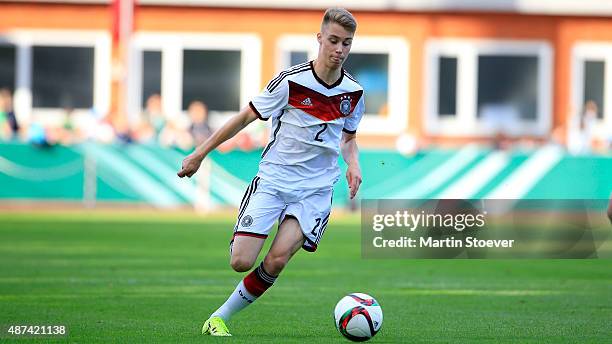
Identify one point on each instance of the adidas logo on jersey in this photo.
(307, 102)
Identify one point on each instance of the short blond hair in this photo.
(341, 17)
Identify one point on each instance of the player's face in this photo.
(334, 45)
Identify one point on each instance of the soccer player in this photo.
(315, 109)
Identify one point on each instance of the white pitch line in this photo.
(525, 177)
(469, 184)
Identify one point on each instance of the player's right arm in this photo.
(192, 162)
(270, 102)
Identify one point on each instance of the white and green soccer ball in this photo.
(358, 317)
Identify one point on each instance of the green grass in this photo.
(145, 278)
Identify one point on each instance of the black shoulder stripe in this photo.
(275, 84)
(350, 77)
(277, 81)
(280, 75)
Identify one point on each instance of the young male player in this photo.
(315, 109)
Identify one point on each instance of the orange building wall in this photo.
(54, 16)
(416, 28)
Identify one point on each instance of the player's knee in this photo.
(240, 264)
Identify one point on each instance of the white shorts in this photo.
(263, 204)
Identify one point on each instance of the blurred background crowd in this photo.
(152, 127)
(188, 130)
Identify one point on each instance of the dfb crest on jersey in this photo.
(345, 105)
(247, 221)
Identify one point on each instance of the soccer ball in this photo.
(358, 317)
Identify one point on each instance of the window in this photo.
(371, 70)
(222, 70)
(151, 74)
(507, 85)
(594, 84)
(62, 77)
(380, 65)
(486, 87)
(51, 70)
(447, 86)
(7, 67)
(212, 77)
(297, 57)
(591, 80)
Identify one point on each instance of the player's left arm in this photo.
(350, 154)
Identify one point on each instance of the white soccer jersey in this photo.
(308, 117)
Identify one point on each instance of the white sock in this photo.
(237, 301)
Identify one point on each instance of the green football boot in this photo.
(215, 327)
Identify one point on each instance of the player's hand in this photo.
(353, 177)
(190, 166)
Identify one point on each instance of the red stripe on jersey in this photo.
(321, 106)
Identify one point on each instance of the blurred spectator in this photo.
(39, 135)
(151, 122)
(557, 136)
(96, 127)
(69, 133)
(407, 144)
(123, 132)
(103, 131)
(580, 130)
(9, 127)
(176, 134)
(499, 119)
(199, 129)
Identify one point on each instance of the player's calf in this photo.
(274, 263)
(286, 243)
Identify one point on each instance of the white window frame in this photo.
(292, 43)
(172, 45)
(25, 40)
(396, 121)
(465, 122)
(582, 52)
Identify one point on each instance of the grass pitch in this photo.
(145, 278)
